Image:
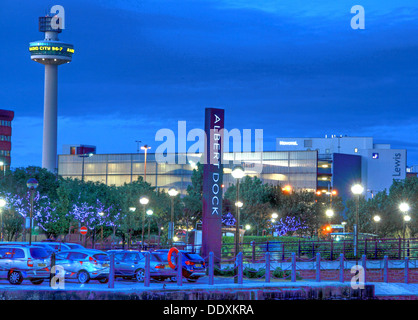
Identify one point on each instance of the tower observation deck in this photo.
(50, 52)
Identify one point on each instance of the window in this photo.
(307, 143)
(18, 254)
(131, 257)
(6, 253)
(77, 256)
(375, 155)
(61, 256)
(355, 150)
(101, 257)
(119, 256)
(327, 151)
(38, 253)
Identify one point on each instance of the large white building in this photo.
(379, 165)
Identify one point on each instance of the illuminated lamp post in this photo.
(149, 214)
(83, 156)
(376, 219)
(2, 205)
(237, 173)
(404, 208)
(144, 201)
(145, 148)
(357, 190)
(172, 193)
(32, 184)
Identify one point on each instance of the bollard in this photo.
(253, 251)
(318, 267)
(211, 269)
(267, 273)
(240, 268)
(147, 278)
(179, 269)
(341, 267)
(386, 269)
(406, 273)
(363, 264)
(112, 271)
(51, 275)
(293, 275)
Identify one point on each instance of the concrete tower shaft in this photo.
(50, 52)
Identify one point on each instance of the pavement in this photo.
(381, 289)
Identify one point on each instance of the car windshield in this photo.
(193, 256)
(38, 253)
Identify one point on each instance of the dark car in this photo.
(130, 264)
(193, 264)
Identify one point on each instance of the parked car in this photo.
(84, 265)
(130, 264)
(21, 262)
(193, 264)
(74, 245)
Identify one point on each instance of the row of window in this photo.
(6, 123)
(5, 138)
(5, 153)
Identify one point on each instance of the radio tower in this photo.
(50, 52)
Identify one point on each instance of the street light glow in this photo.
(172, 192)
(143, 200)
(329, 213)
(357, 189)
(407, 218)
(238, 172)
(2, 203)
(274, 215)
(239, 204)
(376, 218)
(404, 207)
(247, 227)
(150, 212)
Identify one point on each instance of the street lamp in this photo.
(83, 156)
(247, 227)
(376, 219)
(149, 214)
(172, 192)
(329, 213)
(145, 148)
(343, 224)
(274, 215)
(144, 201)
(3, 164)
(32, 184)
(2, 204)
(357, 190)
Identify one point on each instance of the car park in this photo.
(84, 265)
(24, 262)
(192, 263)
(130, 264)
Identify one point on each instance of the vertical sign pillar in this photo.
(212, 184)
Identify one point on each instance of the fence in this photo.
(373, 249)
(293, 269)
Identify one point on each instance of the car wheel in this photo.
(83, 276)
(104, 280)
(140, 275)
(15, 277)
(37, 281)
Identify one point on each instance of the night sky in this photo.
(293, 68)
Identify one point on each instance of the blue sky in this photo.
(291, 68)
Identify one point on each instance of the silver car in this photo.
(131, 264)
(21, 262)
(57, 246)
(84, 265)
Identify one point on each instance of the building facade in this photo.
(298, 169)
(6, 118)
(344, 160)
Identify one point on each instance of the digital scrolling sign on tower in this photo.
(212, 183)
